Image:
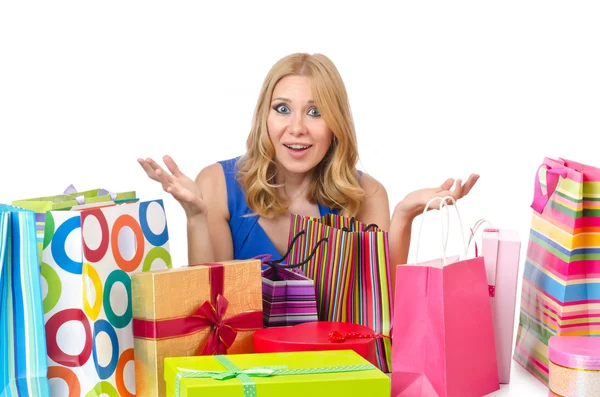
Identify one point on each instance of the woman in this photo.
(301, 158)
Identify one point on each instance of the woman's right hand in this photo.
(180, 186)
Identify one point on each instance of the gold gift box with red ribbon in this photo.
(196, 310)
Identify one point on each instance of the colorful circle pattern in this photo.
(92, 274)
(59, 249)
(104, 326)
(157, 240)
(117, 276)
(113, 322)
(52, 327)
(96, 255)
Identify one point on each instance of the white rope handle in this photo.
(475, 228)
(443, 203)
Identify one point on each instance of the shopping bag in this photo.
(87, 262)
(561, 289)
(70, 198)
(23, 361)
(351, 273)
(443, 340)
(289, 296)
(501, 251)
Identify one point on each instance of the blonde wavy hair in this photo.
(336, 179)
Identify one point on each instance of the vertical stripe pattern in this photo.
(351, 273)
(23, 360)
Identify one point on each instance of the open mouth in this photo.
(298, 148)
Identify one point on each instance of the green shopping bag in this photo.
(70, 199)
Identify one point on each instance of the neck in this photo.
(292, 185)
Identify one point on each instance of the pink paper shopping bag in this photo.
(501, 252)
(443, 336)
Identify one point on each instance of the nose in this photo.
(297, 126)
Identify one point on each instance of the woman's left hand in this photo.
(414, 203)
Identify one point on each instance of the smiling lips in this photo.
(297, 150)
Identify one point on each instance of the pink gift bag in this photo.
(443, 336)
(501, 251)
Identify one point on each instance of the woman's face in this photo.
(298, 132)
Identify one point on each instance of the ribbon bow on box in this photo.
(223, 331)
(245, 375)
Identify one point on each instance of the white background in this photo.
(437, 90)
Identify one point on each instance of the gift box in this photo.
(196, 310)
(501, 250)
(574, 366)
(318, 336)
(316, 374)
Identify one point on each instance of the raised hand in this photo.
(175, 182)
(415, 202)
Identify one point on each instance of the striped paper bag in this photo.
(23, 362)
(288, 296)
(561, 280)
(351, 273)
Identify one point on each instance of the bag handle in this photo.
(474, 230)
(276, 263)
(445, 234)
(81, 199)
(553, 175)
(367, 227)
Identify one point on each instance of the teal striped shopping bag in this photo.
(23, 358)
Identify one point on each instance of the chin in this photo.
(297, 166)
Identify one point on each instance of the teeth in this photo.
(297, 147)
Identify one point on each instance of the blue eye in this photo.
(283, 109)
(314, 112)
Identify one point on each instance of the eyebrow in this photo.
(287, 100)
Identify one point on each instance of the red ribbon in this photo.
(209, 314)
(337, 336)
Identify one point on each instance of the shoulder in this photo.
(217, 173)
(213, 181)
(371, 186)
(375, 207)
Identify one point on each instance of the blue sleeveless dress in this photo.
(249, 238)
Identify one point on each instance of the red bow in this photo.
(223, 332)
(337, 336)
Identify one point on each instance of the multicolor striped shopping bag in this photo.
(351, 273)
(561, 280)
(23, 361)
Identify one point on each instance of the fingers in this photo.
(172, 166)
(154, 164)
(148, 169)
(447, 185)
(470, 183)
(164, 178)
(457, 193)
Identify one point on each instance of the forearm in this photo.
(399, 236)
(200, 249)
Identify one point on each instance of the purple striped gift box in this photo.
(288, 298)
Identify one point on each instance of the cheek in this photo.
(322, 134)
(274, 127)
